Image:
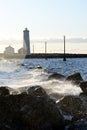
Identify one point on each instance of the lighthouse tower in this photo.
(26, 41)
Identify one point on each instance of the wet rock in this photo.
(83, 97)
(36, 91)
(41, 114)
(83, 86)
(4, 91)
(78, 125)
(76, 78)
(30, 112)
(56, 76)
(73, 106)
(38, 67)
(6, 127)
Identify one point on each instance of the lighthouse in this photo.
(26, 41)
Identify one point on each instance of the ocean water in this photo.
(20, 73)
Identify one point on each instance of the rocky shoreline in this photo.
(34, 109)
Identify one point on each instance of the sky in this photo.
(46, 20)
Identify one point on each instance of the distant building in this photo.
(21, 51)
(26, 41)
(9, 50)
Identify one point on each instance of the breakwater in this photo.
(43, 55)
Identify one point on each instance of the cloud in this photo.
(55, 40)
(77, 40)
(50, 40)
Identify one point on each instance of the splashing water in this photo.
(19, 73)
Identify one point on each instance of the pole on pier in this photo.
(64, 59)
(33, 48)
(45, 49)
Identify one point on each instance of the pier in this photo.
(42, 55)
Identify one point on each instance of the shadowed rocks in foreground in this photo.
(29, 111)
(33, 109)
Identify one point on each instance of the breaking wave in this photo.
(26, 73)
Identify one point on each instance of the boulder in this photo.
(74, 106)
(4, 91)
(76, 78)
(78, 125)
(36, 91)
(83, 97)
(41, 114)
(83, 86)
(38, 67)
(56, 76)
(32, 111)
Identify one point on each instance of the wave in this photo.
(24, 73)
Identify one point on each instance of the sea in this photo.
(21, 73)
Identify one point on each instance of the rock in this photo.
(36, 91)
(41, 114)
(4, 91)
(76, 78)
(78, 125)
(83, 86)
(30, 112)
(56, 76)
(74, 106)
(6, 127)
(38, 67)
(83, 97)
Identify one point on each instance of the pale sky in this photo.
(46, 19)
